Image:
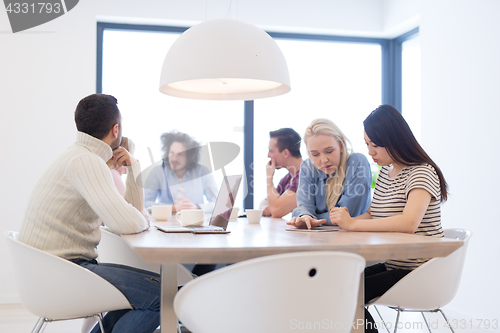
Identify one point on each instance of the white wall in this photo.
(460, 117)
(43, 74)
(399, 16)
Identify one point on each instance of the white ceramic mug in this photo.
(160, 212)
(234, 214)
(254, 215)
(190, 217)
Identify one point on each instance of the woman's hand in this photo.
(305, 221)
(341, 217)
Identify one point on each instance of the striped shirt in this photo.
(74, 195)
(390, 198)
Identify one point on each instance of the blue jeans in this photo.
(141, 288)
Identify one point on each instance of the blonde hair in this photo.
(335, 183)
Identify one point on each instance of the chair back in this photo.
(279, 293)
(113, 249)
(55, 288)
(432, 285)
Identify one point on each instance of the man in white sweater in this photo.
(76, 193)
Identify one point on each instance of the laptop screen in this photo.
(225, 201)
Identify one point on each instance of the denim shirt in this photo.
(161, 187)
(356, 194)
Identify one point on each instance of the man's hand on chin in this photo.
(121, 157)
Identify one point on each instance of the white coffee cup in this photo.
(253, 215)
(160, 212)
(190, 217)
(234, 214)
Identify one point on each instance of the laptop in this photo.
(221, 213)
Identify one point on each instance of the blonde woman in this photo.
(333, 176)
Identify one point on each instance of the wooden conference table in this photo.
(247, 241)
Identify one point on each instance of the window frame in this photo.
(395, 66)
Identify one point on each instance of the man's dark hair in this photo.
(287, 138)
(97, 114)
(192, 147)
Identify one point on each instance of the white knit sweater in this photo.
(74, 195)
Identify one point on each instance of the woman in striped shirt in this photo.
(407, 198)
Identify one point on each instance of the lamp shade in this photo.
(224, 59)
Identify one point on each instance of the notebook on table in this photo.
(221, 213)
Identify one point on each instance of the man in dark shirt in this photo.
(284, 152)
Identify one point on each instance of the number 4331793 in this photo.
(35, 8)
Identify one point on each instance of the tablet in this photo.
(315, 229)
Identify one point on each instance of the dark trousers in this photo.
(377, 281)
(200, 269)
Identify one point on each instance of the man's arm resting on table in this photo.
(264, 205)
(280, 205)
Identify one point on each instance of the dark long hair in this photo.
(386, 127)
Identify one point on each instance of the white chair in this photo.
(278, 293)
(431, 286)
(56, 289)
(113, 249)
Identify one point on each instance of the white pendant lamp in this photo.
(224, 59)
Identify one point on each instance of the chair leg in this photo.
(397, 320)
(99, 318)
(446, 319)
(38, 326)
(426, 323)
(383, 322)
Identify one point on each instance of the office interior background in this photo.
(46, 70)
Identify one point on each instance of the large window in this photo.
(340, 78)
